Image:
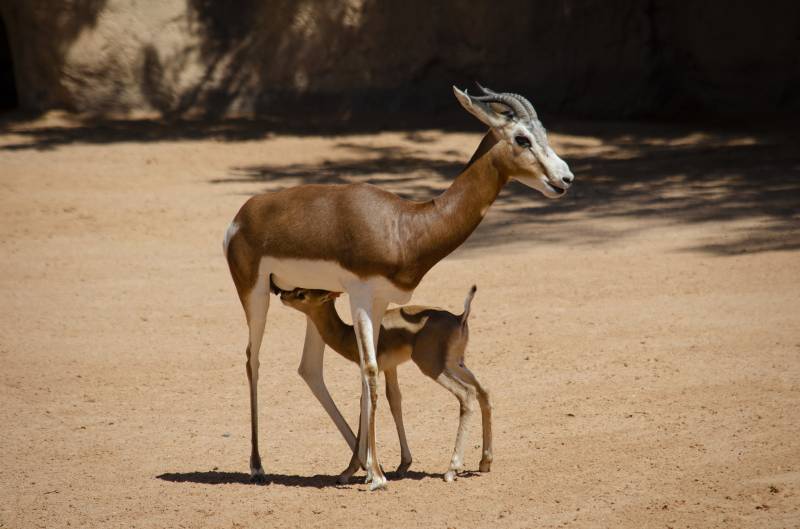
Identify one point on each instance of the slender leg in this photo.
(486, 415)
(358, 325)
(367, 315)
(464, 394)
(311, 371)
(395, 404)
(256, 311)
(354, 465)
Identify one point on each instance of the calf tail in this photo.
(467, 302)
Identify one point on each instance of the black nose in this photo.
(568, 178)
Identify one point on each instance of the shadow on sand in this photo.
(677, 174)
(318, 481)
(77, 130)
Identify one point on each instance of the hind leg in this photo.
(464, 394)
(485, 403)
(256, 307)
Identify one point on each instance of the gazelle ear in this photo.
(481, 110)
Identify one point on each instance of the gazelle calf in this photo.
(434, 339)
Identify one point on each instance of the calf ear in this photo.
(330, 296)
(480, 109)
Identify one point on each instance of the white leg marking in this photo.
(364, 337)
(367, 313)
(257, 308)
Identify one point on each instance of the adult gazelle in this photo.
(376, 247)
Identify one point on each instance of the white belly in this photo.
(288, 274)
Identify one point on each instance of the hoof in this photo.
(378, 483)
(344, 477)
(402, 469)
(351, 469)
(258, 476)
(376, 480)
(450, 475)
(485, 466)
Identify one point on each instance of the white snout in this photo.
(542, 185)
(559, 171)
(556, 179)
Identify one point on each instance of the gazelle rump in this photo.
(435, 340)
(376, 247)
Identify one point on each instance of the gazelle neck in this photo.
(336, 333)
(452, 216)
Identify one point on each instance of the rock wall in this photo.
(618, 58)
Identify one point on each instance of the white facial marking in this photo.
(540, 184)
(556, 177)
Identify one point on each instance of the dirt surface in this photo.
(640, 337)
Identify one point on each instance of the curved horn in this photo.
(515, 105)
(527, 104)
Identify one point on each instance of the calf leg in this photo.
(395, 404)
(465, 395)
(311, 371)
(486, 414)
(355, 464)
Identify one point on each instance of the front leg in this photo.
(311, 370)
(367, 315)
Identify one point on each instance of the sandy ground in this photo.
(640, 337)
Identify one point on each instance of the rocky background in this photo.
(611, 59)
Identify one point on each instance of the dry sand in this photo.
(640, 337)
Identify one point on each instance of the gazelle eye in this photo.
(522, 141)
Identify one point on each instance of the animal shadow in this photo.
(318, 481)
(214, 477)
